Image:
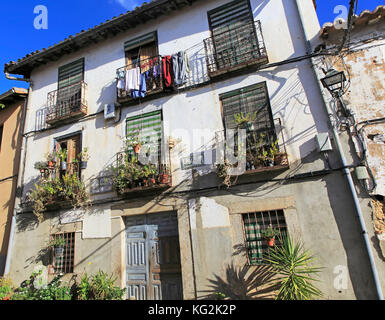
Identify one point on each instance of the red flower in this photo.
(6, 298)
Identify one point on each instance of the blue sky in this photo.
(65, 18)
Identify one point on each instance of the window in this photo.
(252, 101)
(254, 223)
(64, 263)
(234, 36)
(150, 128)
(69, 100)
(71, 73)
(72, 147)
(140, 50)
(1, 134)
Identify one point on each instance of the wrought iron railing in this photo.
(130, 174)
(151, 71)
(57, 170)
(235, 48)
(67, 102)
(258, 149)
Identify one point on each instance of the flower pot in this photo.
(137, 148)
(270, 242)
(83, 164)
(59, 251)
(163, 178)
(281, 159)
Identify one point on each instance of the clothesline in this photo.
(170, 70)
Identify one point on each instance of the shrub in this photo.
(99, 287)
(295, 275)
(53, 291)
(5, 289)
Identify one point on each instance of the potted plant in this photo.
(269, 234)
(134, 141)
(51, 158)
(84, 157)
(62, 155)
(58, 244)
(163, 176)
(41, 166)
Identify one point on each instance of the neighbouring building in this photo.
(180, 76)
(11, 120)
(362, 113)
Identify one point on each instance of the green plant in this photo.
(84, 156)
(6, 289)
(270, 233)
(53, 291)
(40, 165)
(240, 119)
(46, 191)
(219, 296)
(100, 286)
(133, 138)
(57, 242)
(291, 264)
(62, 154)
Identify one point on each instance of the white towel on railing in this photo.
(133, 79)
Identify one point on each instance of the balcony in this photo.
(235, 49)
(149, 69)
(131, 176)
(67, 103)
(265, 150)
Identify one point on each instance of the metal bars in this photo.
(254, 223)
(65, 263)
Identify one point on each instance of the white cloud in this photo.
(129, 4)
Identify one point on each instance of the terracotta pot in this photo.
(137, 148)
(163, 178)
(270, 242)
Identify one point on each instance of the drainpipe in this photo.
(9, 77)
(20, 180)
(344, 162)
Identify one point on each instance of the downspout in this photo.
(344, 162)
(9, 77)
(20, 179)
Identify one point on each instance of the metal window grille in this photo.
(254, 223)
(65, 263)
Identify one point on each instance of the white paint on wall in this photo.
(213, 215)
(97, 223)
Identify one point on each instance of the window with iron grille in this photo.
(254, 223)
(253, 102)
(64, 263)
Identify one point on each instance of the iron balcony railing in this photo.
(134, 175)
(66, 103)
(255, 149)
(235, 48)
(150, 69)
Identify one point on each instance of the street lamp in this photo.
(334, 81)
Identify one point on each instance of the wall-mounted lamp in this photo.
(334, 81)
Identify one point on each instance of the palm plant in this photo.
(291, 264)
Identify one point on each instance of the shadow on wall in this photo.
(246, 283)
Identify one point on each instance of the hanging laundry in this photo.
(180, 66)
(133, 79)
(142, 88)
(167, 71)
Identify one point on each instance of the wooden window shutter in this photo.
(73, 150)
(71, 73)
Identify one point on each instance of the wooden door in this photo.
(153, 257)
